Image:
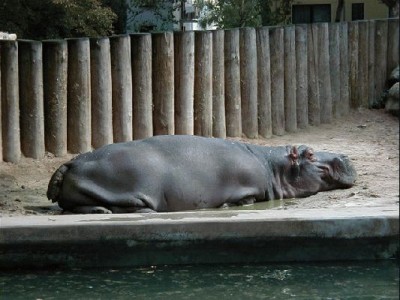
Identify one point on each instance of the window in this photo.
(311, 13)
(357, 11)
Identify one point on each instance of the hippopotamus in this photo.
(178, 172)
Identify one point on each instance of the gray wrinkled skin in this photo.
(176, 173)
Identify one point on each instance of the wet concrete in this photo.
(242, 236)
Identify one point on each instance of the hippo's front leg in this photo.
(128, 210)
(91, 210)
(242, 202)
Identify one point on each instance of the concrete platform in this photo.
(221, 236)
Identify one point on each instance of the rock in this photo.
(392, 102)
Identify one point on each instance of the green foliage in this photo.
(231, 13)
(241, 13)
(85, 17)
(276, 12)
(151, 15)
(45, 19)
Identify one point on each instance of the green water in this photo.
(349, 280)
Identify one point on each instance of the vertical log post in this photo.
(121, 74)
(184, 82)
(353, 63)
(324, 80)
(362, 82)
(142, 85)
(232, 84)
(101, 92)
(218, 84)
(290, 79)
(344, 70)
(79, 103)
(393, 45)
(10, 101)
(380, 57)
(248, 81)
(264, 83)
(301, 76)
(334, 64)
(276, 42)
(314, 108)
(203, 84)
(371, 63)
(163, 82)
(31, 98)
(1, 132)
(55, 66)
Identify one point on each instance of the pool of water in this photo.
(347, 280)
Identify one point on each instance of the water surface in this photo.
(348, 280)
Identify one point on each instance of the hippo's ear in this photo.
(294, 156)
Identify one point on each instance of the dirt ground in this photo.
(369, 137)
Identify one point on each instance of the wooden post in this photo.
(203, 84)
(142, 84)
(101, 91)
(334, 66)
(371, 63)
(276, 42)
(290, 79)
(248, 82)
(184, 82)
(324, 80)
(264, 83)
(380, 57)
(163, 83)
(10, 101)
(344, 70)
(314, 108)
(218, 84)
(393, 45)
(79, 119)
(31, 98)
(1, 132)
(232, 84)
(353, 63)
(301, 76)
(363, 64)
(55, 64)
(121, 74)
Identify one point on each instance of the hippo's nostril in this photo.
(324, 170)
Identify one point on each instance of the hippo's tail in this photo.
(55, 183)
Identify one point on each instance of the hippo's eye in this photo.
(309, 154)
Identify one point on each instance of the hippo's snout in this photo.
(343, 174)
(346, 171)
(337, 171)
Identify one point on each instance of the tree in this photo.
(276, 12)
(44, 19)
(241, 13)
(230, 13)
(151, 15)
(393, 6)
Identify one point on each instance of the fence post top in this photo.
(54, 41)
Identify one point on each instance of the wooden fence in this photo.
(75, 94)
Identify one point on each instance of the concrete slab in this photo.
(222, 236)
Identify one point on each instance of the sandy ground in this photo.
(369, 137)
